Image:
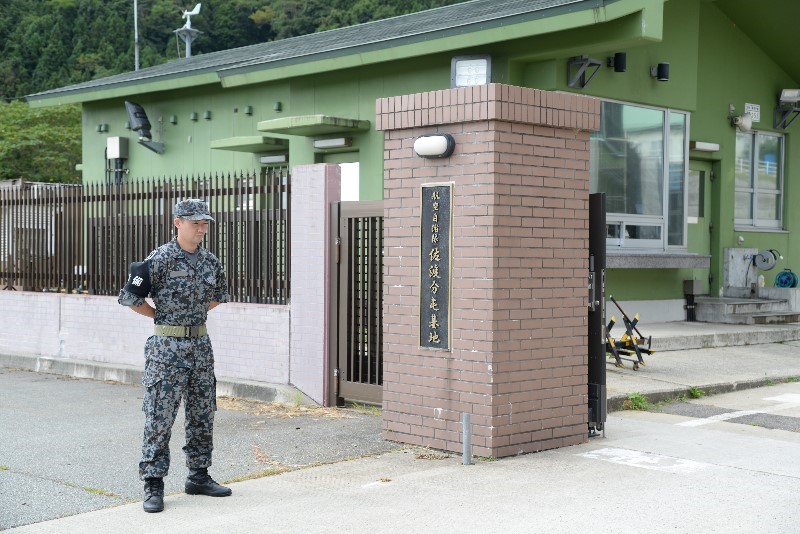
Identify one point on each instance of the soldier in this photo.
(185, 281)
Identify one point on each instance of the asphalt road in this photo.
(68, 446)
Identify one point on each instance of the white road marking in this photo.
(792, 398)
(655, 462)
(789, 400)
(718, 417)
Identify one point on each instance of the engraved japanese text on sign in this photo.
(435, 266)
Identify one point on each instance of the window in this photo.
(639, 160)
(759, 180)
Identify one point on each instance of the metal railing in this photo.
(81, 239)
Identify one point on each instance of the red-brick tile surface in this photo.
(518, 361)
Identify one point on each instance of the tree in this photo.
(40, 144)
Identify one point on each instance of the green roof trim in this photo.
(250, 143)
(311, 125)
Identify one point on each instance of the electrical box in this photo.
(117, 148)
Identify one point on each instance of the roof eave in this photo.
(650, 29)
(120, 90)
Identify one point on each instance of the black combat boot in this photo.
(153, 494)
(201, 483)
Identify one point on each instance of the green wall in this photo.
(712, 64)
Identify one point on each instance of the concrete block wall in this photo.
(518, 362)
(250, 340)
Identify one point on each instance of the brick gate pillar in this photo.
(520, 210)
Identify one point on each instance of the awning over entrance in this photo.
(251, 143)
(313, 125)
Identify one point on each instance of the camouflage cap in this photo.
(193, 209)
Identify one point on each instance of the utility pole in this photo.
(135, 35)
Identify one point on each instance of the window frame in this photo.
(620, 220)
(753, 191)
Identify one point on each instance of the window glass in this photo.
(677, 182)
(638, 158)
(768, 207)
(768, 158)
(759, 180)
(744, 209)
(696, 186)
(744, 157)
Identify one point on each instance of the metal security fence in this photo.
(82, 238)
(40, 241)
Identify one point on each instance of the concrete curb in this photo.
(725, 339)
(616, 402)
(130, 374)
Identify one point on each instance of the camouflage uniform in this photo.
(179, 368)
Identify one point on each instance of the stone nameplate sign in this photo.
(435, 265)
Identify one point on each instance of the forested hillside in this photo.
(52, 43)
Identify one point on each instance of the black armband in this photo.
(139, 279)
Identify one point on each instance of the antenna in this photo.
(187, 33)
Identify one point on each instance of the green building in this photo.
(694, 152)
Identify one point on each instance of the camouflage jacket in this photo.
(181, 295)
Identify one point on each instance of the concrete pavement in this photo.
(648, 472)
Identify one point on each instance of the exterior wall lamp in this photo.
(336, 142)
(660, 72)
(434, 145)
(618, 61)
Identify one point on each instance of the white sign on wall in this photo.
(754, 110)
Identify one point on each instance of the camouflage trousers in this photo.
(166, 386)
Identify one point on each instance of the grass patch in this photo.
(636, 401)
(430, 455)
(366, 409)
(792, 379)
(259, 474)
(94, 491)
(4, 468)
(278, 410)
(696, 393)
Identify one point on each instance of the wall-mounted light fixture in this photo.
(660, 72)
(618, 61)
(276, 158)
(173, 119)
(743, 122)
(127, 125)
(466, 71)
(248, 110)
(577, 68)
(336, 142)
(207, 115)
(193, 116)
(702, 146)
(788, 108)
(277, 107)
(434, 145)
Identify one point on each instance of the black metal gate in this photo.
(598, 396)
(357, 300)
